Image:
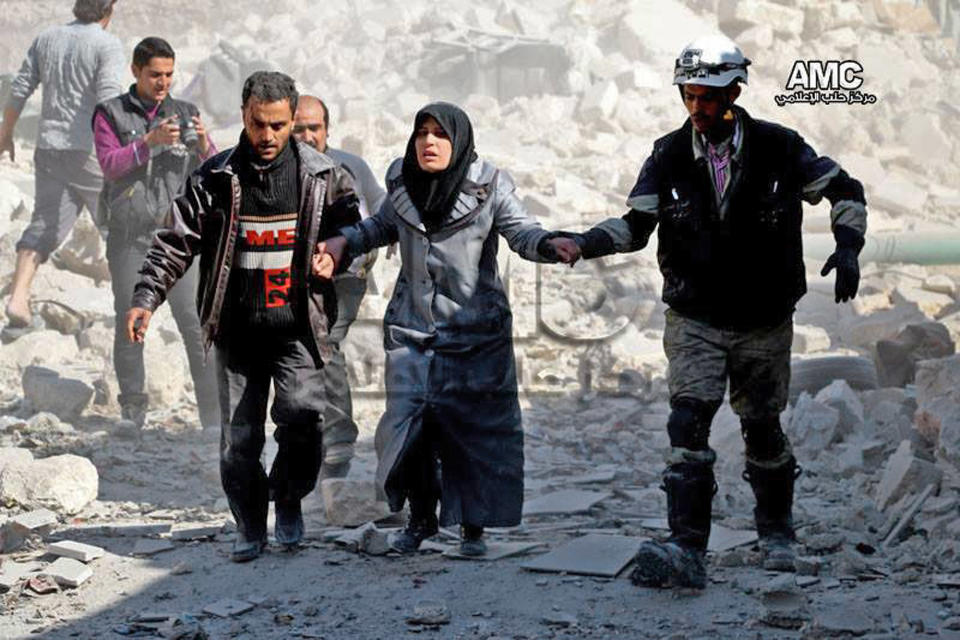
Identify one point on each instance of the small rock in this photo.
(45, 390)
(429, 614)
(182, 568)
(373, 541)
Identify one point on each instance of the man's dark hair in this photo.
(92, 10)
(271, 86)
(150, 48)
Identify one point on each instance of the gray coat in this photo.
(447, 334)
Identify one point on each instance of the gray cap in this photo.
(92, 10)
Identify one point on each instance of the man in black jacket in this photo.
(147, 144)
(254, 214)
(726, 191)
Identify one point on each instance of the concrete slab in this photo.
(228, 608)
(590, 555)
(567, 501)
(195, 531)
(76, 550)
(69, 572)
(724, 539)
(149, 546)
(11, 573)
(495, 550)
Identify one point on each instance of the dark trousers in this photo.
(339, 430)
(246, 365)
(125, 256)
(66, 182)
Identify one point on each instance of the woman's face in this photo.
(433, 146)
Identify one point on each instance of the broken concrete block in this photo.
(373, 541)
(735, 16)
(809, 339)
(69, 572)
(45, 390)
(429, 613)
(14, 454)
(64, 484)
(592, 555)
(930, 303)
(905, 473)
(351, 503)
(838, 395)
(77, 550)
(813, 426)
(599, 102)
(16, 530)
(940, 283)
(897, 358)
(11, 573)
(783, 603)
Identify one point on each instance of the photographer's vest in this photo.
(746, 270)
(137, 202)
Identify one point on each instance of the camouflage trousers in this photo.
(757, 363)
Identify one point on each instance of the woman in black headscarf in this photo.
(452, 428)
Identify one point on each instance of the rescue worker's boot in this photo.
(680, 560)
(773, 488)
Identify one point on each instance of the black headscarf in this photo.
(435, 194)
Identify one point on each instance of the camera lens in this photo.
(188, 133)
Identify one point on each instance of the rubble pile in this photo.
(569, 97)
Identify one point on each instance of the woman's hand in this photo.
(327, 257)
(567, 249)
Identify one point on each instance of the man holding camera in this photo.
(148, 143)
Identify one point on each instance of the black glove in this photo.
(594, 243)
(844, 260)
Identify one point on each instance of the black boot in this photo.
(773, 488)
(471, 540)
(421, 525)
(288, 528)
(679, 561)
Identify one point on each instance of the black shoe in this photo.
(665, 564)
(288, 528)
(246, 550)
(471, 541)
(417, 530)
(778, 554)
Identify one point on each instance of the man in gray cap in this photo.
(340, 432)
(79, 64)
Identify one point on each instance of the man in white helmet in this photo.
(726, 191)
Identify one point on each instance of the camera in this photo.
(188, 133)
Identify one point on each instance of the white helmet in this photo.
(714, 61)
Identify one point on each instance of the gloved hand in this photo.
(844, 260)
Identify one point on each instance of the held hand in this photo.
(203, 142)
(6, 145)
(138, 319)
(567, 250)
(844, 260)
(166, 133)
(327, 257)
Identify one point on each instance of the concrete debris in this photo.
(567, 501)
(195, 531)
(496, 550)
(13, 573)
(429, 614)
(351, 503)
(69, 572)
(590, 555)
(64, 484)
(45, 390)
(77, 550)
(373, 541)
(905, 473)
(784, 604)
(16, 531)
(152, 546)
(813, 426)
(897, 358)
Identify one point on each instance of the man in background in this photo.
(311, 126)
(79, 65)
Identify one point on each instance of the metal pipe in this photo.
(922, 247)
